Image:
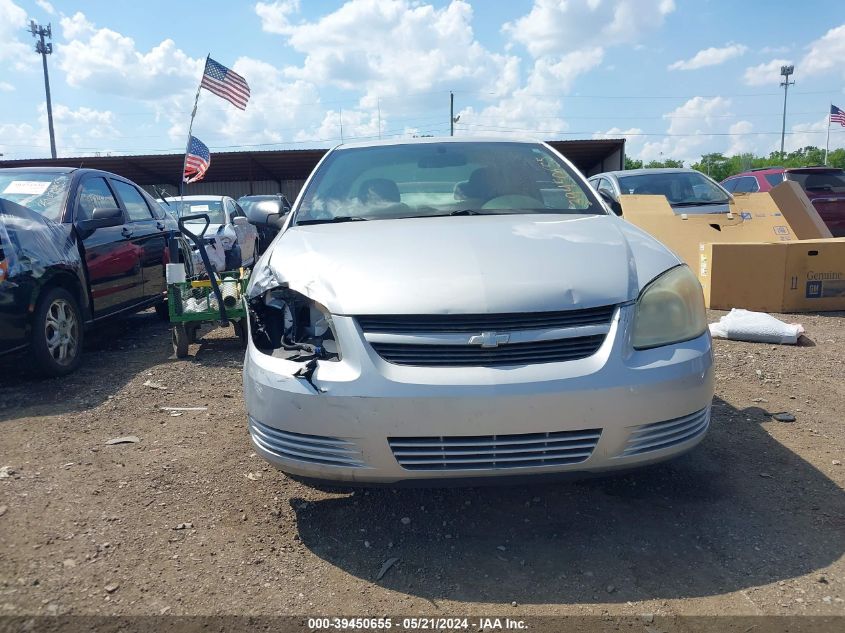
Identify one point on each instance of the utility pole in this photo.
(451, 113)
(45, 48)
(452, 118)
(785, 72)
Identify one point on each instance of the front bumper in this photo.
(355, 420)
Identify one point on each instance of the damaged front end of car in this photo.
(288, 325)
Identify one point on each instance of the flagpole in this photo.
(188, 143)
(827, 143)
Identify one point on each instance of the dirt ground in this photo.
(189, 521)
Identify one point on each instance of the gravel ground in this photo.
(189, 521)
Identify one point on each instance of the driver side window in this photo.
(94, 193)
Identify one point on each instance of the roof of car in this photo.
(53, 170)
(63, 170)
(196, 197)
(436, 139)
(646, 172)
(763, 171)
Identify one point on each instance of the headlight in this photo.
(290, 324)
(669, 310)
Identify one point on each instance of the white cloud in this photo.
(775, 50)
(825, 53)
(390, 48)
(710, 57)
(78, 132)
(275, 16)
(690, 131)
(46, 6)
(742, 140)
(5, 86)
(106, 61)
(553, 27)
(278, 110)
(633, 136)
(764, 74)
(14, 52)
(803, 134)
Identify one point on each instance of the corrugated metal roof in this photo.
(282, 165)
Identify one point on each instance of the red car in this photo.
(824, 186)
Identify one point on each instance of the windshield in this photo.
(43, 192)
(819, 181)
(213, 208)
(679, 187)
(435, 179)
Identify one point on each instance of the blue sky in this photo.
(676, 78)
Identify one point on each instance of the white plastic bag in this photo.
(756, 327)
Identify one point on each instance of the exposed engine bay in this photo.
(287, 324)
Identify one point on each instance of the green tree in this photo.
(717, 166)
(669, 162)
(633, 163)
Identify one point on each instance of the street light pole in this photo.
(39, 32)
(785, 71)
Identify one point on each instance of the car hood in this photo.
(464, 264)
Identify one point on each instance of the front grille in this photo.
(476, 323)
(314, 449)
(485, 452)
(660, 435)
(553, 351)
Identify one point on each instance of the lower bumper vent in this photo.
(660, 435)
(486, 452)
(314, 449)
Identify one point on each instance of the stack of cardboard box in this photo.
(771, 253)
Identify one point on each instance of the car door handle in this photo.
(126, 232)
(160, 226)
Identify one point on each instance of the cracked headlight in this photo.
(669, 310)
(290, 324)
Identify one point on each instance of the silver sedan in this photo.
(444, 309)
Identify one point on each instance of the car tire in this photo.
(233, 258)
(57, 333)
(241, 331)
(181, 340)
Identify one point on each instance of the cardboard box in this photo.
(771, 253)
(798, 276)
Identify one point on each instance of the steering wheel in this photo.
(514, 201)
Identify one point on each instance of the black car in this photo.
(76, 246)
(259, 208)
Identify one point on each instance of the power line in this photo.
(496, 128)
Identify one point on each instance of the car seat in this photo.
(379, 191)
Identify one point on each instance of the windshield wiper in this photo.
(446, 215)
(335, 220)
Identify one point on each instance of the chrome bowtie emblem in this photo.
(489, 339)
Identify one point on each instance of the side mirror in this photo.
(240, 220)
(266, 213)
(101, 217)
(611, 202)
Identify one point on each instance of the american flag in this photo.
(837, 115)
(225, 83)
(197, 161)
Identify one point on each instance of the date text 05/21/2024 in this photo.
(416, 623)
